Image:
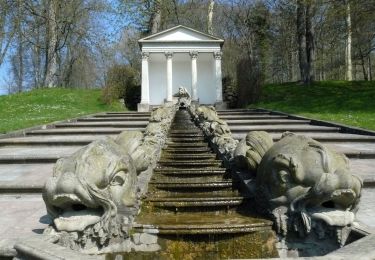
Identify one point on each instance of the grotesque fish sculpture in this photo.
(301, 183)
(91, 186)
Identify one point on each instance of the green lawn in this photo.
(42, 106)
(351, 103)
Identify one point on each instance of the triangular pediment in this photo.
(180, 33)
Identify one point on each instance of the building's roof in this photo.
(180, 33)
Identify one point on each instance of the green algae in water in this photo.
(259, 244)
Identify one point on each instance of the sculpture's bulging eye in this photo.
(284, 176)
(117, 181)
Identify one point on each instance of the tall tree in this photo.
(305, 38)
(210, 15)
(349, 68)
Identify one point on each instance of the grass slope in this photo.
(43, 106)
(351, 103)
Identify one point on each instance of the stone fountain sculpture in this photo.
(94, 194)
(305, 187)
(216, 130)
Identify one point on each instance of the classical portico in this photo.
(180, 57)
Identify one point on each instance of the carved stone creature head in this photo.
(304, 181)
(88, 187)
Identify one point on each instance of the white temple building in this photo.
(180, 57)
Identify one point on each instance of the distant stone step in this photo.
(193, 185)
(189, 172)
(128, 113)
(202, 223)
(120, 115)
(266, 122)
(187, 135)
(159, 178)
(186, 202)
(104, 124)
(229, 112)
(113, 119)
(48, 140)
(186, 145)
(183, 131)
(251, 117)
(78, 131)
(321, 137)
(190, 163)
(183, 150)
(284, 128)
(187, 156)
(185, 140)
(28, 159)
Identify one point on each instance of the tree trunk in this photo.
(51, 59)
(301, 38)
(363, 64)
(369, 70)
(155, 18)
(20, 52)
(305, 38)
(349, 68)
(210, 14)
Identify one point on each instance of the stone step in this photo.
(187, 184)
(284, 128)
(119, 115)
(237, 110)
(128, 113)
(24, 178)
(189, 202)
(187, 135)
(229, 112)
(81, 131)
(34, 154)
(202, 223)
(322, 137)
(113, 119)
(185, 145)
(267, 122)
(185, 140)
(22, 215)
(104, 124)
(52, 140)
(251, 117)
(186, 131)
(186, 156)
(184, 150)
(189, 163)
(189, 172)
(364, 168)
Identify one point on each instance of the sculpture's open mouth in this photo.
(73, 214)
(335, 210)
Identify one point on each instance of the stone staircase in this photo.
(189, 178)
(193, 205)
(27, 160)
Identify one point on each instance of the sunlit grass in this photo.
(351, 103)
(43, 106)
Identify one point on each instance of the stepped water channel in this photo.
(27, 158)
(194, 207)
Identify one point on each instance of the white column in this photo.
(218, 83)
(194, 56)
(145, 95)
(169, 56)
